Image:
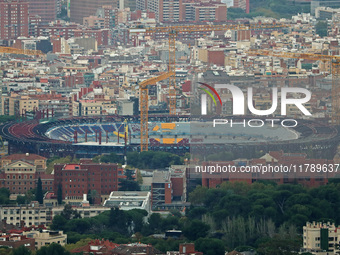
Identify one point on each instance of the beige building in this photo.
(46, 237)
(17, 105)
(30, 215)
(321, 238)
(94, 22)
(93, 108)
(38, 161)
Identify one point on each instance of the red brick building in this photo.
(15, 239)
(211, 179)
(20, 173)
(13, 19)
(78, 179)
(46, 9)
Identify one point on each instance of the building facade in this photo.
(14, 19)
(46, 237)
(79, 179)
(85, 8)
(26, 215)
(46, 9)
(21, 172)
(321, 238)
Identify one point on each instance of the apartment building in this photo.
(321, 238)
(16, 105)
(13, 19)
(29, 215)
(203, 11)
(46, 237)
(165, 10)
(85, 8)
(46, 9)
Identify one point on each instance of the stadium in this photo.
(90, 136)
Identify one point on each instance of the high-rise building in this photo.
(243, 4)
(13, 19)
(85, 8)
(110, 15)
(46, 9)
(141, 4)
(203, 11)
(122, 4)
(165, 10)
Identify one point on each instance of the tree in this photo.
(58, 222)
(21, 200)
(60, 194)
(22, 250)
(39, 196)
(139, 177)
(195, 230)
(53, 249)
(127, 185)
(279, 245)
(210, 246)
(197, 197)
(68, 213)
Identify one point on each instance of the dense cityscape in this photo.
(170, 127)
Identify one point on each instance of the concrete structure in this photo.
(161, 189)
(13, 19)
(85, 8)
(46, 9)
(125, 107)
(129, 200)
(46, 237)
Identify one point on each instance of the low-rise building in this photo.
(129, 200)
(46, 237)
(15, 239)
(32, 214)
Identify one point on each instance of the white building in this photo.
(321, 238)
(129, 200)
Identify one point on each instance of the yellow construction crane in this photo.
(20, 51)
(172, 32)
(144, 108)
(335, 65)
